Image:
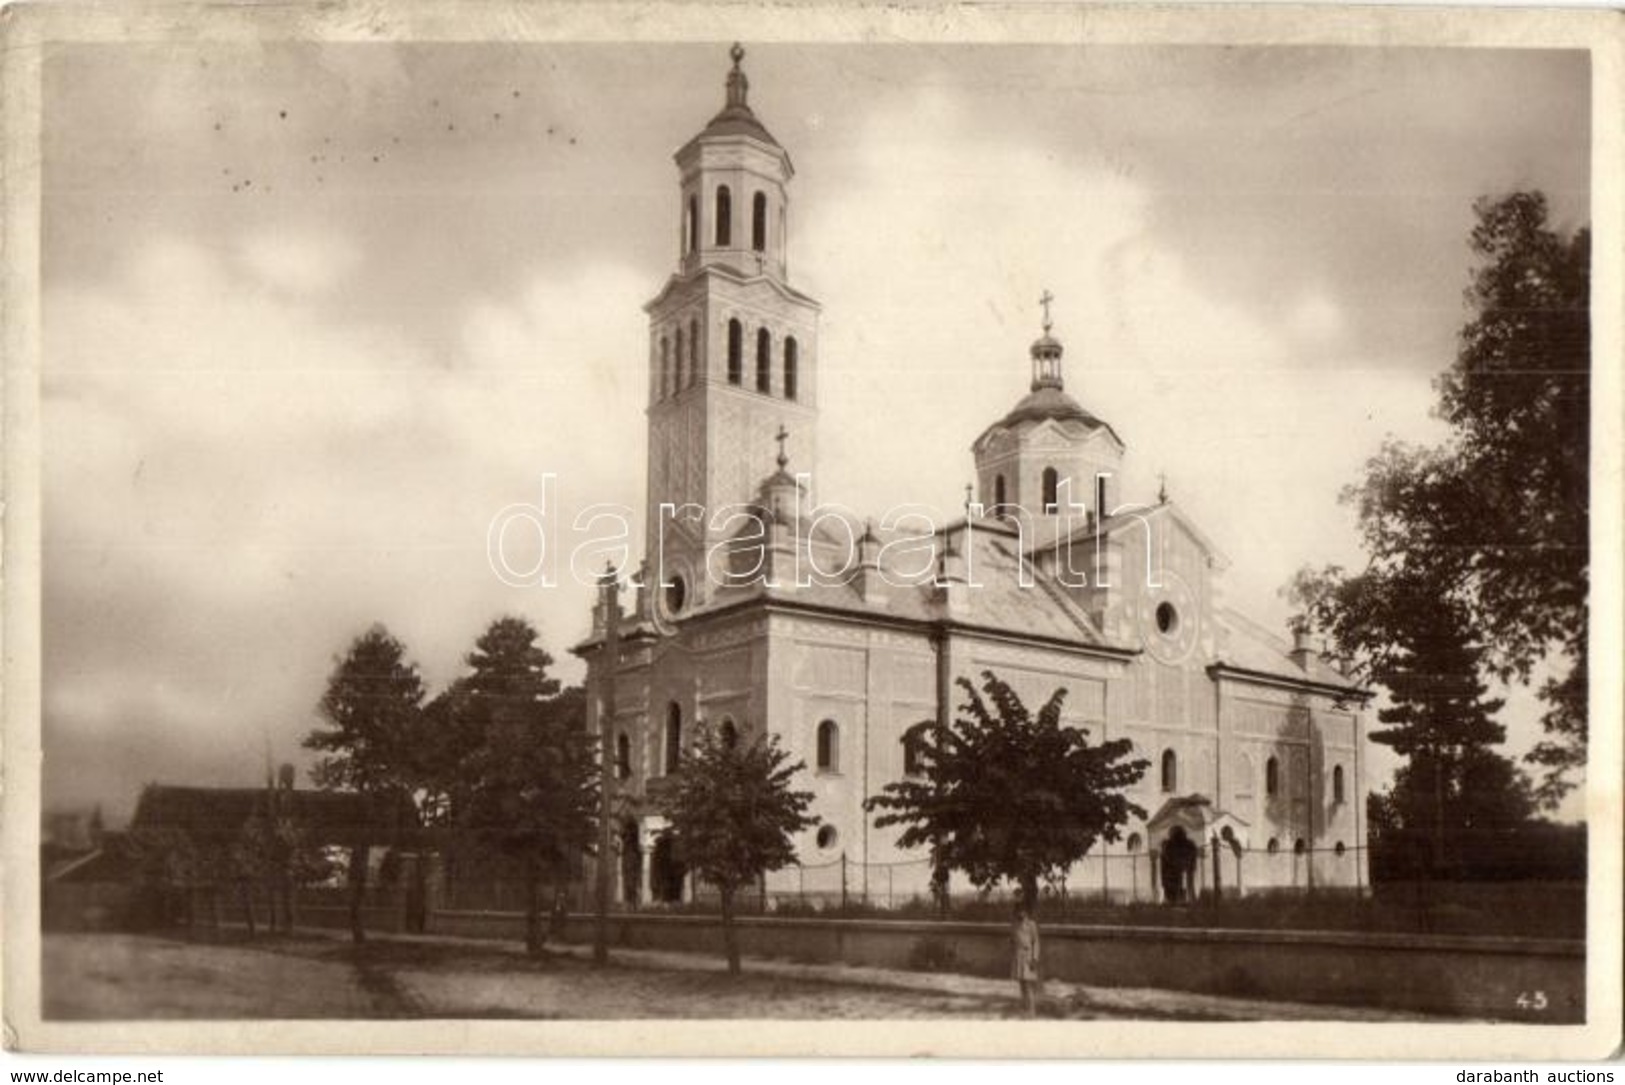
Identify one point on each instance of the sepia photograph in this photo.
(1032, 529)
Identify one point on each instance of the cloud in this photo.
(299, 264)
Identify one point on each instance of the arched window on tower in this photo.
(725, 213)
(693, 352)
(1170, 771)
(691, 240)
(674, 737)
(998, 495)
(758, 222)
(1272, 777)
(677, 376)
(623, 756)
(1052, 490)
(1337, 785)
(736, 350)
(728, 733)
(764, 361)
(914, 740)
(792, 362)
(829, 747)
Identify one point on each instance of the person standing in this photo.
(1026, 970)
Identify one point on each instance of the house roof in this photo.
(216, 814)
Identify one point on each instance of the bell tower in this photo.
(733, 348)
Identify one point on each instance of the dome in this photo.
(738, 120)
(1048, 403)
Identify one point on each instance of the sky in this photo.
(313, 314)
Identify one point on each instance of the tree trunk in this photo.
(1029, 893)
(730, 936)
(533, 908)
(358, 890)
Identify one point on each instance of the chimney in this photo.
(1303, 645)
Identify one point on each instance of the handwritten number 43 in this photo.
(1531, 1000)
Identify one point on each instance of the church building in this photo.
(1050, 579)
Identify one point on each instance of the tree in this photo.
(373, 702)
(733, 813)
(274, 851)
(1498, 517)
(532, 782)
(1413, 639)
(1006, 794)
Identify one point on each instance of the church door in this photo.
(666, 873)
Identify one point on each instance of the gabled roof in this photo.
(218, 814)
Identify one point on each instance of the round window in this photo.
(827, 837)
(676, 595)
(1167, 619)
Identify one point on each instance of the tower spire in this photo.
(738, 84)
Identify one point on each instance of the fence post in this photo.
(889, 902)
(843, 881)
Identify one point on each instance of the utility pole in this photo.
(610, 602)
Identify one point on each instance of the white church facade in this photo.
(1050, 579)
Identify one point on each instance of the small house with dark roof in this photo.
(1052, 578)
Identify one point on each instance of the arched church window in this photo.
(665, 367)
(674, 737)
(1052, 489)
(764, 361)
(758, 222)
(998, 494)
(623, 756)
(693, 352)
(1135, 843)
(829, 747)
(1337, 784)
(1272, 777)
(728, 733)
(691, 239)
(725, 211)
(914, 740)
(677, 376)
(1273, 846)
(792, 362)
(1299, 846)
(736, 351)
(1170, 771)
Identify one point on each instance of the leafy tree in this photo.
(531, 784)
(373, 702)
(733, 813)
(1498, 516)
(274, 850)
(1007, 794)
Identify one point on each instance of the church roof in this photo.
(738, 120)
(1250, 646)
(1048, 403)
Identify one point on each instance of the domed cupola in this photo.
(1047, 451)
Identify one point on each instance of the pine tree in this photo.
(531, 782)
(373, 702)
